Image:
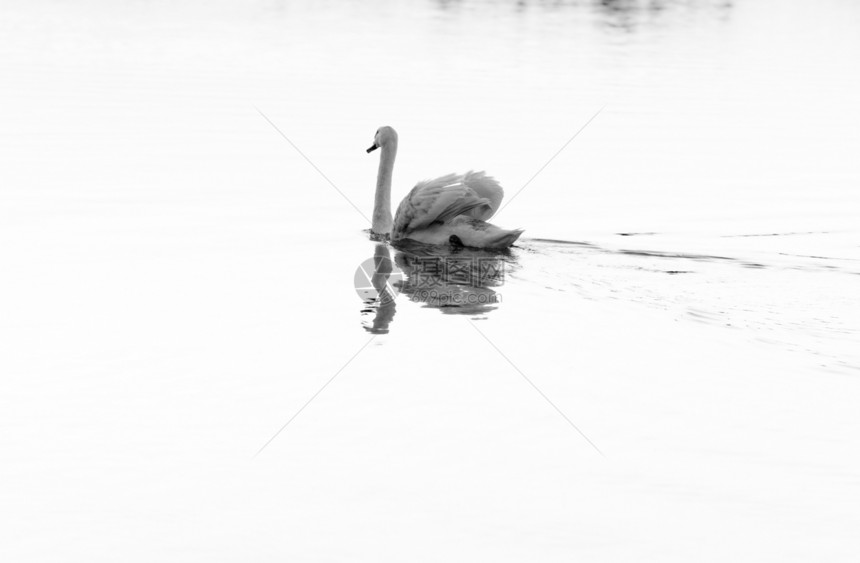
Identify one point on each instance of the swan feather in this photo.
(486, 187)
(438, 201)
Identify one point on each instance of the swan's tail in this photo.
(479, 234)
(505, 238)
(490, 236)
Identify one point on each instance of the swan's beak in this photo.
(373, 148)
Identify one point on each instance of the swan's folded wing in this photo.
(438, 200)
(486, 187)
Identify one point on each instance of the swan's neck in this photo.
(381, 222)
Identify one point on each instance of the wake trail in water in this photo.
(801, 302)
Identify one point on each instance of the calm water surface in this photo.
(180, 279)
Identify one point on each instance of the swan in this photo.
(452, 209)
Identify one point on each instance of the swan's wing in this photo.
(438, 200)
(486, 187)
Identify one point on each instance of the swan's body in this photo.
(452, 209)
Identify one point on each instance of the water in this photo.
(179, 282)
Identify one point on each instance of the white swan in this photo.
(452, 209)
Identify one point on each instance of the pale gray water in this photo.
(179, 282)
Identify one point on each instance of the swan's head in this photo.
(385, 136)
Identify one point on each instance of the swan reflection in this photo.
(454, 280)
(380, 293)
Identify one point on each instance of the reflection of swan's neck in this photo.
(384, 302)
(382, 200)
